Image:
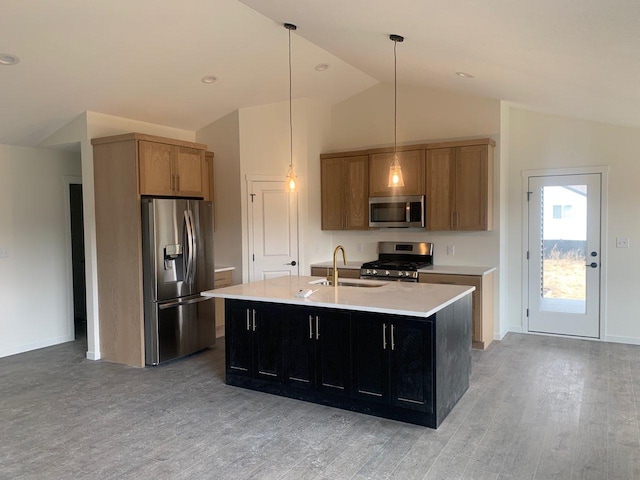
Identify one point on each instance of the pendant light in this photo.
(291, 176)
(395, 171)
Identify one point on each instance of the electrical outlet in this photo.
(358, 247)
(4, 252)
(622, 242)
(451, 250)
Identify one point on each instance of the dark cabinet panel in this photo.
(253, 340)
(299, 348)
(332, 336)
(392, 361)
(238, 335)
(412, 364)
(316, 349)
(370, 358)
(268, 341)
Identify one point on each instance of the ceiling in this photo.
(144, 59)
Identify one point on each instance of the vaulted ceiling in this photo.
(144, 59)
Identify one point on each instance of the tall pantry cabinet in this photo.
(126, 167)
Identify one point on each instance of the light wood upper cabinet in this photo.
(207, 176)
(460, 188)
(345, 196)
(412, 164)
(170, 170)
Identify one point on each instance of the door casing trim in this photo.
(603, 170)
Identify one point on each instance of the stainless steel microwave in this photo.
(397, 212)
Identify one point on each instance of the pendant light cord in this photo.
(395, 103)
(290, 109)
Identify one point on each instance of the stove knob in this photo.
(375, 272)
(400, 274)
(368, 272)
(387, 272)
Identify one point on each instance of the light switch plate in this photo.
(622, 242)
(451, 250)
(4, 252)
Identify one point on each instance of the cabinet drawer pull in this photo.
(310, 327)
(248, 327)
(317, 328)
(254, 319)
(393, 345)
(384, 336)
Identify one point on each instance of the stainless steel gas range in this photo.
(399, 261)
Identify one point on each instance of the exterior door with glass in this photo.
(564, 254)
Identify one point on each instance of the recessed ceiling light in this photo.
(8, 59)
(464, 75)
(321, 67)
(209, 79)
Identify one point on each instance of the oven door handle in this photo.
(408, 213)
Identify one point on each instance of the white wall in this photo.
(541, 141)
(35, 285)
(223, 138)
(81, 130)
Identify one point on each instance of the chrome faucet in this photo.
(335, 264)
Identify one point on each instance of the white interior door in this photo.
(273, 229)
(564, 254)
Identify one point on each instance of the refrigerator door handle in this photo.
(189, 242)
(179, 303)
(194, 247)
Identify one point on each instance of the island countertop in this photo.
(394, 298)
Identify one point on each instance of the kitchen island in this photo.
(392, 349)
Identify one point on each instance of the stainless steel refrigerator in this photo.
(177, 249)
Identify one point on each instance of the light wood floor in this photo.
(538, 407)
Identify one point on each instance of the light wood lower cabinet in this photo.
(342, 272)
(481, 305)
(221, 280)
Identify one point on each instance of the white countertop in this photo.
(220, 268)
(395, 298)
(348, 266)
(447, 269)
(457, 270)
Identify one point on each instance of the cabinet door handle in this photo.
(384, 336)
(393, 345)
(451, 220)
(177, 183)
(254, 319)
(317, 328)
(248, 327)
(310, 327)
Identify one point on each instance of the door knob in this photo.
(592, 265)
(293, 263)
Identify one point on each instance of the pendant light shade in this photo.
(395, 170)
(291, 175)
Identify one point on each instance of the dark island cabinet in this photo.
(254, 340)
(316, 349)
(392, 361)
(406, 368)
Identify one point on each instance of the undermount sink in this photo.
(349, 283)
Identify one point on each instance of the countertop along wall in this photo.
(366, 120)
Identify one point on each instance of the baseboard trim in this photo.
(93, 355)
(28, 347)
(627, 340)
